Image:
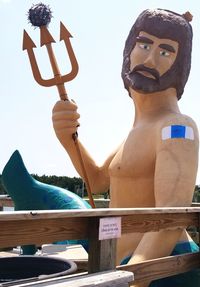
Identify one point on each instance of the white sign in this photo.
(109, 227)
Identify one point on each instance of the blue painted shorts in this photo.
(188, 279)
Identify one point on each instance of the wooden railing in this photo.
(6, 201)
(39, 227)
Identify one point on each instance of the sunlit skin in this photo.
(144, 171)
(153, 52)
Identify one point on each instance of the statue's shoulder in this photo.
(176, 119)
(177, 125)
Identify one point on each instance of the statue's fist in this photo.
(65, 119)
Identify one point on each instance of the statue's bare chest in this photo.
(136, 157)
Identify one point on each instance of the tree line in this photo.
(74, 184)
(196, 197)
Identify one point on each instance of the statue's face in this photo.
(150, 60)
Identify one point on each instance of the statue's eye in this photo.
(164, 53)
(145, 46)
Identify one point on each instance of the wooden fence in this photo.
(39, 227)
(6, 201)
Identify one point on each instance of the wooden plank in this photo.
(102, 253)
(195, 204)
(20, 228)
(103, 279)
(162, 267)
(42, 231)
(100, 212)
(155, 222)
(134, 215)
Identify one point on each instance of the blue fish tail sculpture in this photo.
(30, 194)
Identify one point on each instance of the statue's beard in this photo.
(145, 84)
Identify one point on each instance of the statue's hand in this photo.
(65, 120)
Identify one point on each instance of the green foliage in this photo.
(61, 181)
(196, 197)
(2, 189)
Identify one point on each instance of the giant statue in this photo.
(156, 164)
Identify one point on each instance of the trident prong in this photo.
(47, 40)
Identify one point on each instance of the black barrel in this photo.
(34, 268)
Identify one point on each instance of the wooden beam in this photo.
(154, 222)
(101, 279)
(100, 212)
(40, 231)
(195, 204)
(162, 267)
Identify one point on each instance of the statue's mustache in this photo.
(142, 68)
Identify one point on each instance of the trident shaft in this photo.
(58, 79)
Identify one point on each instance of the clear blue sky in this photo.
(99, 29)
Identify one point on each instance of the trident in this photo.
(58, 79)
(47, 40)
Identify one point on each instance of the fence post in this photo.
(102, 253)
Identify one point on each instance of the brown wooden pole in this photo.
(89, 191)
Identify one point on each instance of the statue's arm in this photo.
(174, 182)
(65, 122)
